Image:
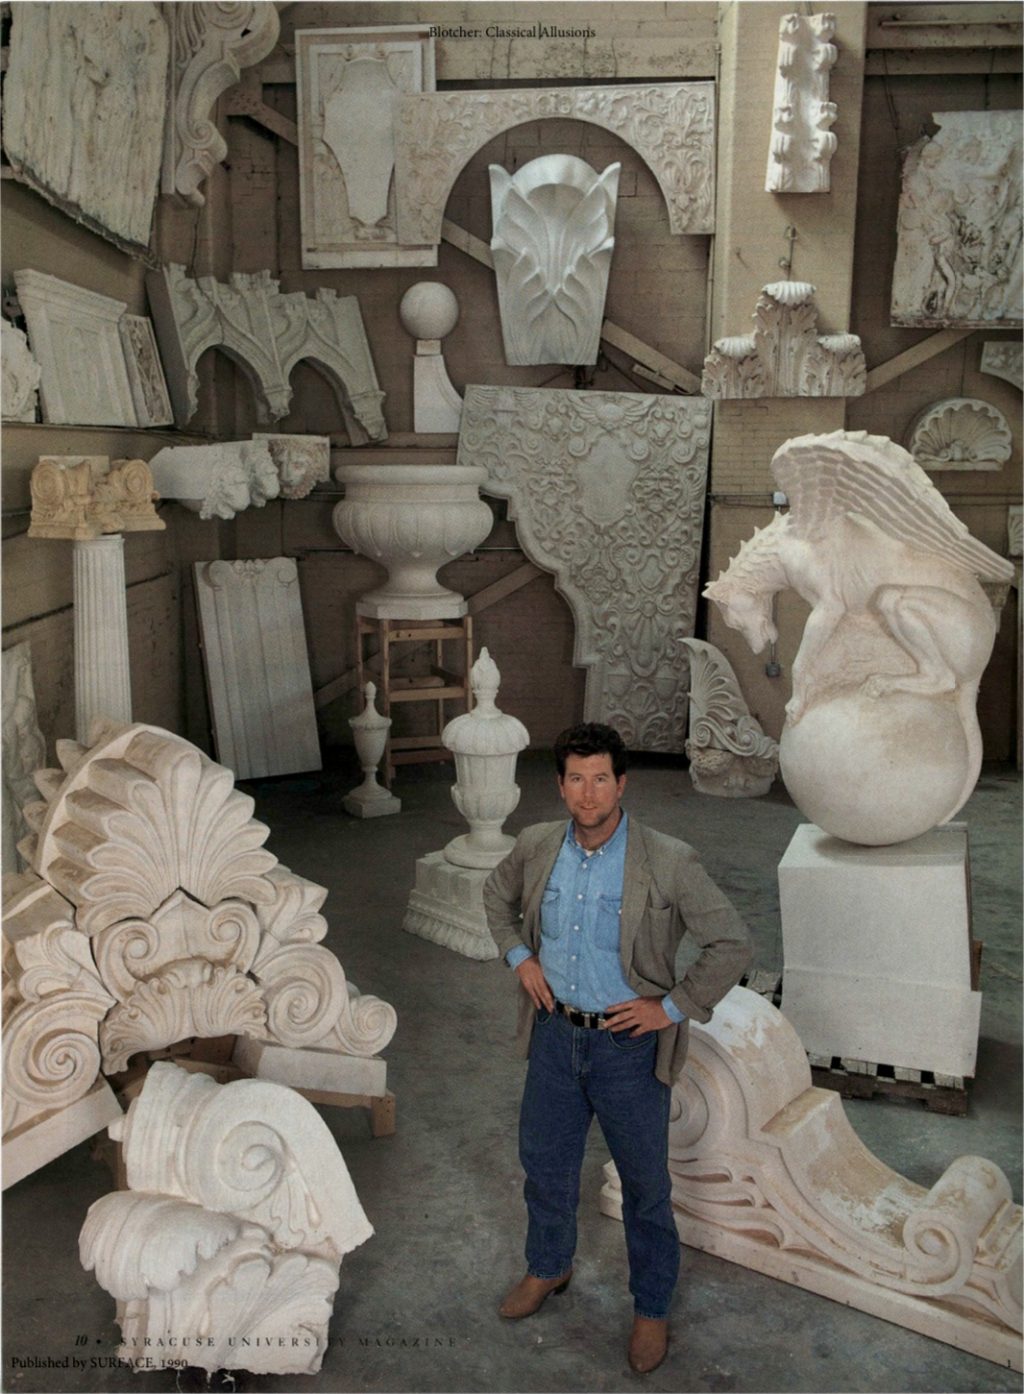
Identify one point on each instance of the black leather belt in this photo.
(578, 1018)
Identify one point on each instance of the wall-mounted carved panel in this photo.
(961, 433)
(785, 356)
(210, 45)
(1004, 359)
(145, 372)
(553, 238)
(802, 144)
(266, 333)
(75, 337)
(671, 127)
(84, 106)
(607, 491)
(958, 253)
(349, 82)
(19, 380)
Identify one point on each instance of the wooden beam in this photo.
(243, 103)
(922, 26)
(912, 357)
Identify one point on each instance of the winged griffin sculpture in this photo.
(898, 619)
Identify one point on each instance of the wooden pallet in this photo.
(864, 1079)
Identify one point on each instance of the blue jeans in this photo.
(575, 1072)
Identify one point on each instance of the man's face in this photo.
(591, 792)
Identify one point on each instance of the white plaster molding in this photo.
(84, 109)
(1004, 359)
(80, 497)
(767, 1172)
(257, 667)
(881, 740)
(145, 373)
(785, 356)
(370, 730)
(266, 333)
(19, 380)
(429, 311)
(217, 481)
(348, 83)
(671, 126)
(802, 144)
(958, 252)
(210, 45)
(75, 338)
(203, 1242)
(1015, 530)
(412, 519)
(607, 492)
(961, 433)
(729, 753)
(552, 242)
(24, 749)
(103, 678)
(302, 462)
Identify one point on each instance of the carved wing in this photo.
(850, 472)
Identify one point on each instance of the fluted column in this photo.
(102, 674)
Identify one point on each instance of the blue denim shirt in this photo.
(579, 926)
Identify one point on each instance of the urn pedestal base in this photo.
(446, 905)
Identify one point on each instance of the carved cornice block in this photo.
(1005, 360)
(670, 126)
(80, 497)
(785, 356)
(84, 105)
(802, 143)
(217, 481)
(302, 462)
(210, 45)
(958, 252)
(19, 380)
(198, 1222)
(145, 372)
(961, 433)
(607, 492)
(768, 1172)
(553, 238)
(348, 82)
(729, 753)
(75, 337)
(266, 333)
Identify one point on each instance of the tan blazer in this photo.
(666, 893)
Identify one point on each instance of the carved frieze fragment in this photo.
(961, 433)
(1004, 359)
(802, 144)
(217, 481)
(607, 492)
(729, 753)
(82, 497)
(348, 85)
(302, 462)
(24, 749)
(958, 253)
(75, 337)
(145, 372)
(19, 380)
(553, 223)
(84, 107)
(671, 126)
(785, 356)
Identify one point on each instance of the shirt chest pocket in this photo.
(608, 922)
(550, 913)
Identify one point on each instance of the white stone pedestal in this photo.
(57, 1132)
(876, 948)
(102, 672)
(446, 905)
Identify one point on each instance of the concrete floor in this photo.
(416, 1307)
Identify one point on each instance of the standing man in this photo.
(589, 916)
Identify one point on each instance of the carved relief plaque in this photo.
(607, 492)
(802, 144)
(145, 373)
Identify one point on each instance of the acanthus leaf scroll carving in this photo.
(802, 144)
(729, 753)
(607, 492)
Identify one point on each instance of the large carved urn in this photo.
(412, 518)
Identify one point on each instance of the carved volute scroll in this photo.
(802, 143)
(80, 497)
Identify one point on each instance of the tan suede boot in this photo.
(529, 1295)
(648, 1344)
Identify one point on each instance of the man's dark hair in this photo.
(591, 738)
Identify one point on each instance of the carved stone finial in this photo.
(370, 731)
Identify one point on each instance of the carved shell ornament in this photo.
(961, 433)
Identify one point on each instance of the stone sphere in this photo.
(876, 771)
(429, 310)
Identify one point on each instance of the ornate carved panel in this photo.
(961, 433)
(24, 750)
(75, 338)
(266, 333)
(145, 372)
(802, 143)
(349, 82)
(958, 253)
(607, 490)
(19, 380)
(671, 126)
(553, 237)
(210, 45)
(785, 356)
(84, 106)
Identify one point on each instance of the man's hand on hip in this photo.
(638, 1015)
(531, 975)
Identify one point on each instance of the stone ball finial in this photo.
(429, 310)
